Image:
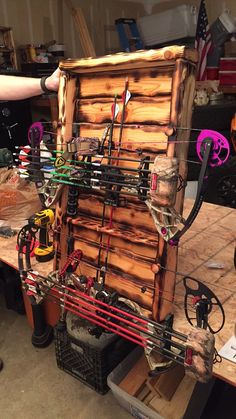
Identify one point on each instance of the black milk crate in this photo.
(85, 357)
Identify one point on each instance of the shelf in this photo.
(6, 50)
(228, 89)
(138, 237)
(7, 46)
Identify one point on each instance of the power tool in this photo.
(42, 221)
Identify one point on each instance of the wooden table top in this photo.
(9, 256)
(211, 239)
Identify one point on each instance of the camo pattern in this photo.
(199, 356)
(164, 179)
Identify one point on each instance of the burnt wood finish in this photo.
(161, 83)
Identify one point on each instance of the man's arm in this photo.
(16, 88)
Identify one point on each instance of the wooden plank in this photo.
(133, 264)
(81, 26)
(147, 138)
(129, 244)
(66, 94)
(175, 408)
(122, 60)
(143, 393)
(148, 398)
(131, 289)
(150, 383)
(164, 385)
(181, 112)
(92, 206)
(154, 83)
(168, 383)
(139, 111)
(124, 282)
(119, 231)
(136, 377)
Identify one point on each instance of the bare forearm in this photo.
(14, 88)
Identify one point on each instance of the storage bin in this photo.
(228, 64)
(184, 403)
(87, 358)
(134, 406)
(169, 25)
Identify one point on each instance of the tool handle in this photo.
(43, 236)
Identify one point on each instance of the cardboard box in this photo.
(230, 49)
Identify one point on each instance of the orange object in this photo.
(233, 132)
(51, 311)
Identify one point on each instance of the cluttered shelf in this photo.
(197, 258)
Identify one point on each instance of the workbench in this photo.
(211, 239)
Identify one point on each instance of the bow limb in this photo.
(42, 333)
(167, 220)
(106, 311)
(202, 186)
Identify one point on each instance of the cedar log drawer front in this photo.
(161, 83)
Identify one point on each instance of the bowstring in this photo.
(129, 142)
(63, 303)
(102, 157)
(148, 288)
(159, 142)
(177, 128)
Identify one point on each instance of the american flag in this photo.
(203, 41)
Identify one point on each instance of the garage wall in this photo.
(37, 22)
(214, 7)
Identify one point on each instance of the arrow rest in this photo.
(112, 191)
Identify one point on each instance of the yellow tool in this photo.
(42, 220)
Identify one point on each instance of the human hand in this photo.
(52, 82)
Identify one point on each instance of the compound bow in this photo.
(88, 164)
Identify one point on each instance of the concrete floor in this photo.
(31, 385)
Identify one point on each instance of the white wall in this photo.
(214, 7)
(35, 21)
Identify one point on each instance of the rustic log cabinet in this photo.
(161, 83)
